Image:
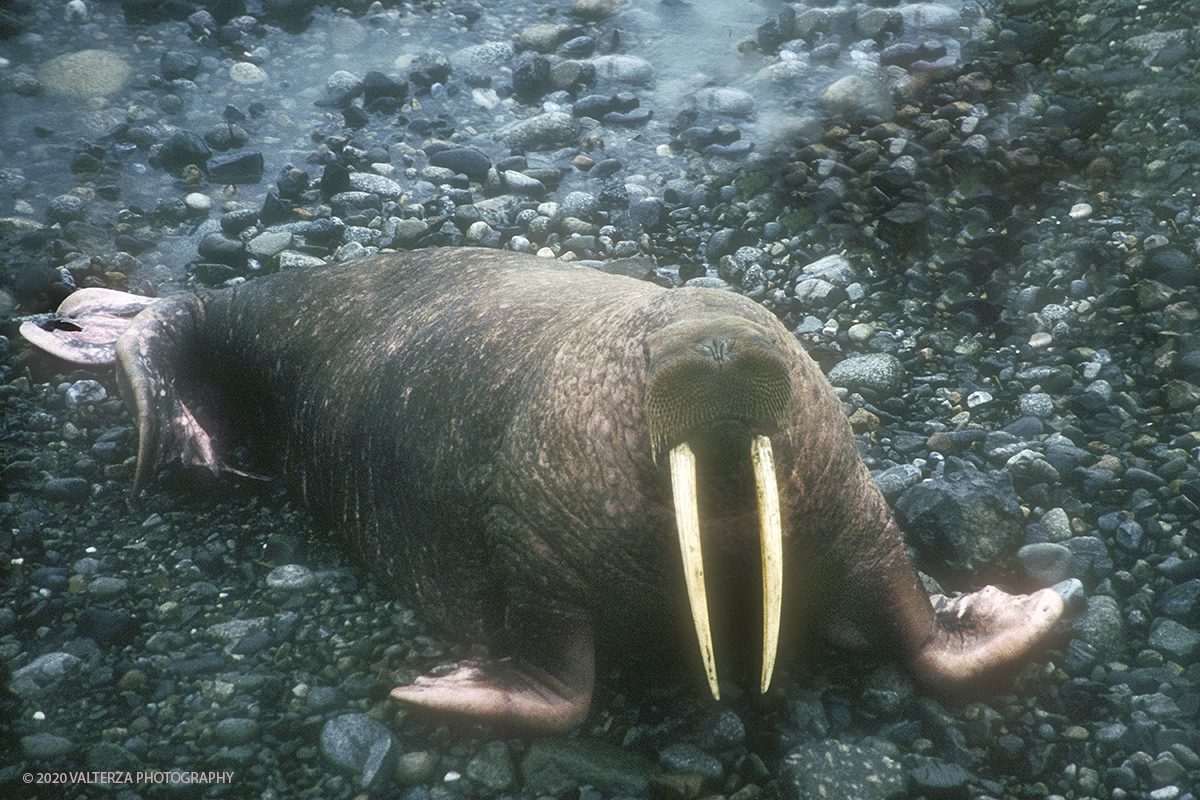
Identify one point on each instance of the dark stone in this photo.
(377, 85)
(940, 779)
(429, 68)
(181, 149)
(67, 490)
(274, 210)
(1091, 557)
(176, 65)
(106, 627)
(220, 248)
(531, 77)
(966, 526)
(355, 117)
(334, 180)
(244, 169)
(465, 160)
(593, 105)
(1181, 602)
(1172, 267)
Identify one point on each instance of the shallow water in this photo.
(691, 44)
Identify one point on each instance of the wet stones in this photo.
(361, 747)
(181, 149)
(879, 373)
(837, 769)
(543, 132)
(965, 526)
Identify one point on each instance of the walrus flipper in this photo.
(149, 354)
(514, 693)
(87, 325)
(983, 637)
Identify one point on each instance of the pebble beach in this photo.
(981, 220)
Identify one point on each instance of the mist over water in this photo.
(690, 45)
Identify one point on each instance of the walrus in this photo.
(552, 461)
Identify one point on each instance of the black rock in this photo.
(1181, 602)
(181, 149)
(466, 160)
(966, 526)
(531, 77)
(293, 16)
(940, 779)
(176, 65)
(106, 627)
(334, 180)
(355, 117)
(67, 490)
(1091, 557)
(244, 169)
(429, 68)
(377, 85)
(1172, 267)
(220, 248)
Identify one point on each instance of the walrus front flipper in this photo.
(87, 325)
(512, 694)
(149, 355)
(982, 638)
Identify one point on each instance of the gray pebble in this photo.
(340, 89)
(85, 391)
(1036, 404)
(360, 746)
(375, 184)
(291, 578)
(816, 293)
(269, 244)
(623, 69)
(881, 373)
(522, 184)
(543, 132)
(236, 731)
(492, 767)
(45, 746)
(1177, 642)
(1047, 563)
(724, 100)
(48, 668)
(835, 269)
(65, 208)
(106, 586)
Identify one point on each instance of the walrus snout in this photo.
(702, 372)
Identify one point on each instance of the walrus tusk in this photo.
(687, 522)
(771, 535)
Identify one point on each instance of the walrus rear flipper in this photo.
(149, 354)
(87, 325)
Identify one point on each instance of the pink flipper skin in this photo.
(982, 637)
(510, 694)
(87, 325)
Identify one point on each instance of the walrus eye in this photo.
(687, 523)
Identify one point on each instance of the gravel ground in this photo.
(981, 221)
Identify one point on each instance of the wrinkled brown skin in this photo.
(473, 422)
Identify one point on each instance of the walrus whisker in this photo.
(771, 536)
(687, 523)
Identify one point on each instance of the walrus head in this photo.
(709, 373)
